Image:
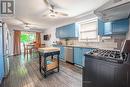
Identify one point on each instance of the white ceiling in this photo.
(32, 11)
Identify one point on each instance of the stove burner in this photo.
(108, 54)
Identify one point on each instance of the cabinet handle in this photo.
(87, 82)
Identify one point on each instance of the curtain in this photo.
(17, 45)
(38, 39)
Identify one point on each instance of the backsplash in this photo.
(111, 43)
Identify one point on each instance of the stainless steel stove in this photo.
(109, 55)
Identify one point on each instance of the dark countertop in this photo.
(119, 61)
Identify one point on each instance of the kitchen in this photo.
(86, 43)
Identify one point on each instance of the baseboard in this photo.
(69, 62)
(78, 66)
(62, 60)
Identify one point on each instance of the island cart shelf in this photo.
(47, 61)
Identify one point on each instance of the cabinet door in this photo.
(104, 28)
(70, 30)
(78, 56)
(62, 52)
(120, 26)
(128, 75)
(99, 73)
(108, 28)
(100, 27)
(90, 73)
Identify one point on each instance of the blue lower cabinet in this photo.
(62, 51)
(78, 56)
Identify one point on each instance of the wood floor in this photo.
(24, 72)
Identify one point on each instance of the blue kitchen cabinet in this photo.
(108, 28)
(100, 27)
(120, 26)
(62, 51)
(78, 56)
(68, 31)
(113, 28)
(104, 29)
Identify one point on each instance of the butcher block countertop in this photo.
(48, 49)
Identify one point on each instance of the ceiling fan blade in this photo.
(50, 6)
(61, 13)
(46, 14)
(25, 23)
(46, 2)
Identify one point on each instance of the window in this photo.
(28, 37)
(88, 31)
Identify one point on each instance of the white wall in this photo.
(11, 47)
(128, 34)
(53, 30)
(53, 37)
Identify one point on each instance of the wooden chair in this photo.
(27, 49)
(36, 45)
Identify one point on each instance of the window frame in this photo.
(89, 39)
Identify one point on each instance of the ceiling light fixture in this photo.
(52, 15)
(26, 27)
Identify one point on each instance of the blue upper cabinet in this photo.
(114, 27)
(100, 27)
(68, 31)
(120, 26)
(108, 28)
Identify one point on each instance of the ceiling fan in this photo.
(52, 12)
(26, 25)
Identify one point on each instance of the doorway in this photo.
(27, 38)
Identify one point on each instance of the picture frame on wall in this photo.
(47, 37)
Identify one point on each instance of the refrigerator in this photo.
(4, 51)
